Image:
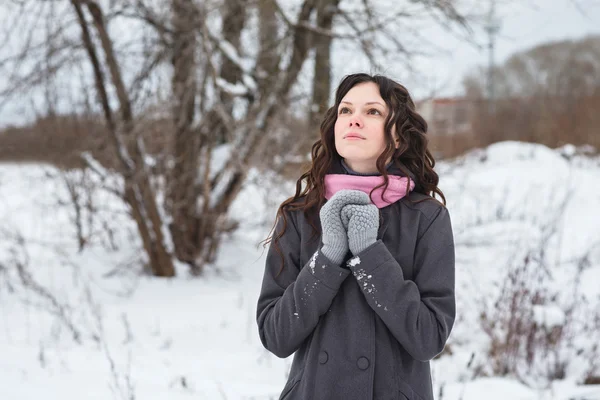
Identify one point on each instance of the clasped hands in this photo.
(349, 220)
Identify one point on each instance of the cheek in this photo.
(380, 143)
(338, 132)
(337, 128)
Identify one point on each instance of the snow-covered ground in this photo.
(89, 325)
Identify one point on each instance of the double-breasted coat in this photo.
(366, 329)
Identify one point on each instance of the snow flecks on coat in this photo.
(360, 274)
(313, 262)
(364, 281)
(354, 261)
(308, 291)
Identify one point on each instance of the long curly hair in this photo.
(412, 153)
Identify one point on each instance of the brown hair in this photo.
(412, 152)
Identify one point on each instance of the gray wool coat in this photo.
(367, 329)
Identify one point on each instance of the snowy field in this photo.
(87, 324)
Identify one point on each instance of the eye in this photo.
(374, 111)
(344, 110)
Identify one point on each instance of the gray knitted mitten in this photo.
(334, 236)
(362, 222)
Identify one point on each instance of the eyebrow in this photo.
(369, 103)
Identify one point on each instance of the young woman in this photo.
(359, 277)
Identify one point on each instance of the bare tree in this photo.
(128, 146)
(232, 66)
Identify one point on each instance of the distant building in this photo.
(447, 115)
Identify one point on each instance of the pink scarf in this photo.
(395, 191)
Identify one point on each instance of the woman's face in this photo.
(359, 128)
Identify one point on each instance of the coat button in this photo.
(362, 363)
(323, 357)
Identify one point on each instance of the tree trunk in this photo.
(274, 100)
(196, 228)
(267, 63)
(322, 74)
(234, 19)
(138, 192)
(187, 143)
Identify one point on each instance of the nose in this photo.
(355, 121)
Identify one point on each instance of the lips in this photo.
(353, 136)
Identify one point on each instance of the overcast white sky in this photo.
(524, 24)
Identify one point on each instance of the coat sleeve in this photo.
(420, 313)
(293, 298)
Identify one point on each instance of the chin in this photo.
(354, 154)
(351, 152)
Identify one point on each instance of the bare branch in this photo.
(308, 26)
(98, 73)
(366, 44)
(113, 65)
(62, 311)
